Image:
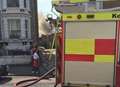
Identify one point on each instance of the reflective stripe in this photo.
(76, 1)
(77, 57)
(104, 58)
(80, 1)
(80, 46)
(105, 46)
(90, 58)
(84, 50)
(92, 16)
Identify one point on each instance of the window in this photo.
(25, 4)
(26, 28)
(91, 6)
(111, 4)
(13, 3)
(0, 30)
(14, 27)
(18, 52)
(0, 35)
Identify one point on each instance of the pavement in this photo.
(43, 83)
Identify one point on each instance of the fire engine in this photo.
(88, 53)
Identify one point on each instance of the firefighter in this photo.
(35, 61)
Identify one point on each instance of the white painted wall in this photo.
(15, 10)
(28, 4)
(0, 5)
(21, 4)
(4, 2)
(12, 13)
(29, 28)
(5, 30)
(23, 28)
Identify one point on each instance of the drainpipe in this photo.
(34, 21)
(0, 22)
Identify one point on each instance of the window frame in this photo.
(16, 32)
(13, 3)
(26, 28)
(25, 3)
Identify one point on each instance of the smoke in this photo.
(44, 27)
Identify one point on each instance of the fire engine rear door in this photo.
(89, 52)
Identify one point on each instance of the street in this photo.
(26, 69)
(21, 72)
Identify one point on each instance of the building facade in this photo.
(18, 25)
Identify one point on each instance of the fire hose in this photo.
(34, 80)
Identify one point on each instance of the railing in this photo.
(14, 52)
(20, 59)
